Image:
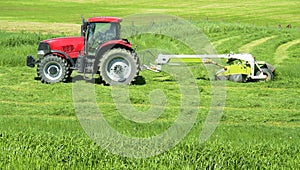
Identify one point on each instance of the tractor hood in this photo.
(69, 45)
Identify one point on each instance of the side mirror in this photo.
(83, 27)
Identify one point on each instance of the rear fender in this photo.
(111, 45)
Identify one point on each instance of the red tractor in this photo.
(99, 50)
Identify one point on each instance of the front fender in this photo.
(63, 55)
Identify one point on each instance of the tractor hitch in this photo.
(30, 61)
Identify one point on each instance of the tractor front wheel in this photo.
(53, 69)
(119, 66)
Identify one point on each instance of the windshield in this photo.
(99, 33)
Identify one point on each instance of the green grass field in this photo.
(260, 126)
(261, 13)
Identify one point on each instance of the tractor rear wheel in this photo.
(53, 69)
(266, 72)
(119, 66)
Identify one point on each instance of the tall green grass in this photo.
(265, 12)
(15, 47)
(76, 151)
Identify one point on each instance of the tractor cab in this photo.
(99, 30)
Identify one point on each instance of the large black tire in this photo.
(268, 73)
(119, 66)
(53, 69)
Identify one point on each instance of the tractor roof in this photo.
(104, 19)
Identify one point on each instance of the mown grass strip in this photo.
(281, 52)
(248, 47)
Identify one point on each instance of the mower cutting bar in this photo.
(254, 67)
(163, 59)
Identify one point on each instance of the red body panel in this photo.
(104, 19)
(73, 45)
(69, 45)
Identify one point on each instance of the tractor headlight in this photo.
(41, 53)
(43, 49)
